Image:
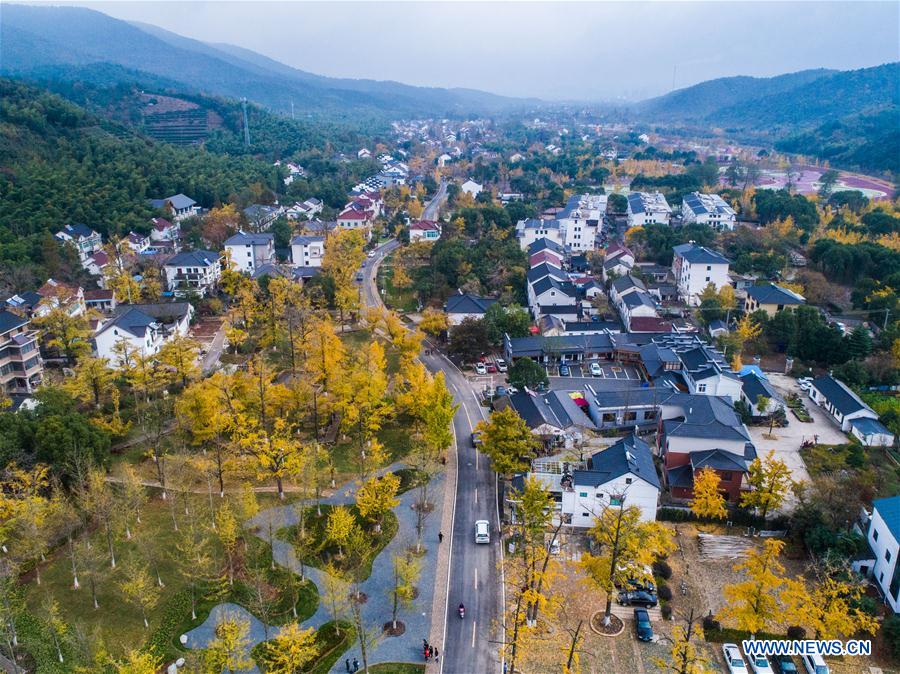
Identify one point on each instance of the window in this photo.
(582, 494)
(650, 414)
(630, 416)
(628, 480)
(875, 535)
(708, 268)
(701, 388)
(707, 278)
(726, 477)
(615, 500)
(585, 514)
(887, 555)
(609, 417)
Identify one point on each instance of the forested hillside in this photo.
(61, 164)
(33, 39)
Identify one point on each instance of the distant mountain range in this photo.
(38, 42)
(787, 102)
(847, 116)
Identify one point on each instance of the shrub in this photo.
(664, 592)
(710, 624)
(662, 569)
(675, 515)
(890, 632)
(796, 633)
(666, 610)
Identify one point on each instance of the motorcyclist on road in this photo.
(462, 610)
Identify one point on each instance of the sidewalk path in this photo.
(377, 610)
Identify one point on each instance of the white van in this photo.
(815, 664)
(482, 531)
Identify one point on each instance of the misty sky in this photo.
(555, 50)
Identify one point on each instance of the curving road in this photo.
(470, 645)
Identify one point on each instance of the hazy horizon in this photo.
(555, 51)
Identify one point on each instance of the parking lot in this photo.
(615, 371)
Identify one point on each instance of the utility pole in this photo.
(246, 123)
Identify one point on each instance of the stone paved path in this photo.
(377, 610)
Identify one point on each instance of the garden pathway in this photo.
(377, 587)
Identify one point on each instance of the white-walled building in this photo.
(581, 221)
(695, 267)
(621, 475)
(849, 411)
(249, 251)
(307, 251)
(645, 208)
(424, 230)
(141, 329)
(471, 187)
(178, 206)
(464, 305)
(533, 229)
(707, 209)
(193, 271)
(883, 537)
(85, 240)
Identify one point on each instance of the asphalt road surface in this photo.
(472, 644)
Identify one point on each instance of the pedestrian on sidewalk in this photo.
(435, 654)
(347, 664)
(440, 536)
(355, 665)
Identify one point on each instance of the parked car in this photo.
(642, 628)
(637, 598)
(491, 367)
(759, 664)
(635, 585)
(814, 664)
(501, 391)
(563, 370)
(371, 253)
(784, 664)
(733, 659)
(596, 370)
(480, 368)
(501, 365)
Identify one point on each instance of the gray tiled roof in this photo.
(838, 394)
(700, 254)
(628, 455)
(245, 239)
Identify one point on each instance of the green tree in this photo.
(469, 339)
(527, 372)
(507, 441)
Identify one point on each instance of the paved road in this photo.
(431, 211)
(472, 644)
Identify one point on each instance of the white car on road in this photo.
(733, 659)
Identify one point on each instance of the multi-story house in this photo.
(21, 367)
(707, 209)
(695, 267)
(141, 330)
(532, 230)
(249, 251)
(85, 239)
(193, 272)
(260, 216)
(645, 208)
(138, 243)
(307, 251)
(59, 295)
(883, 537)
(163, 230)
(581, 221)
(178, 206)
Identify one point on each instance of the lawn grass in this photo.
(330, 645)
(401, 300)
(320, 552)
(828, 459)
(117, 622)
(396, 668)
(396, 440)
